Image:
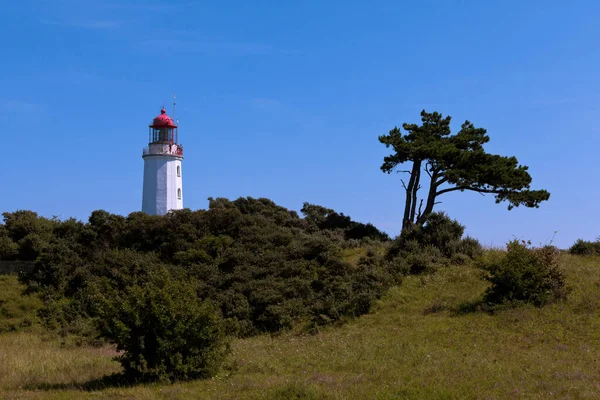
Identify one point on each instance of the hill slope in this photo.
(414, 345)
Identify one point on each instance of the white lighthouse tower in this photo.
(162, 167)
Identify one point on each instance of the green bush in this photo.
(8, 249)
(261, 265)
(165, 332)
(526, 275)
(585, 248)
(325, 219)
(425, 248)
(439, 232)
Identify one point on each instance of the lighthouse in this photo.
(162, 167)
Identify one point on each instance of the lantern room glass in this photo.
(163, 135)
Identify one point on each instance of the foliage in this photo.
(164, 331)
(261, 265)
(24, 235)
(526, 275)
(321, 218)
(458, 161)
(585, 248)
(426, 247)
(8, 249)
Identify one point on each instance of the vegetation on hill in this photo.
(258, 266)
(416, 344)
(585, 248)
(18, 311)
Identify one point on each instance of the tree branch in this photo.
(427, 166)
(481, 191)
(441, 181)
(419, 212)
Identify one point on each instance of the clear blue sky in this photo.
(285, 100)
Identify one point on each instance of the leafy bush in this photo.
(467, 246)
(164, 330)
(321, 218)
(585, 248)
(262, 265)
(441, 232)
(526, 275)
(30, 232)
(438, 242)
(8, 249)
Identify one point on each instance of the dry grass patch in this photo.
(27, 361)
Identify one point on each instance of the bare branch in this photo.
(403, 184)
(427, 167)
(420, 206)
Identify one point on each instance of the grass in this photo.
(17, 311)
(414, 345)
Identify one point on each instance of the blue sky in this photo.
(285, 100)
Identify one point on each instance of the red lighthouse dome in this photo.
(163, 121)
(163, 129)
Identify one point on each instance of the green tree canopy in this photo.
(453, 163)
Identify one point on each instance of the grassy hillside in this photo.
(17, 311)
(414, 345)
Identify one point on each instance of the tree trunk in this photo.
(410, 188)
(414, 195)
(430, 198)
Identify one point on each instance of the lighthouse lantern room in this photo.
(162, 167)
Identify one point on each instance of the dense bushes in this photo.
(438, 242)
(261, 265)
(526, 275)
(585, 248)
(24, 235)
(168, 290)
(321, 218)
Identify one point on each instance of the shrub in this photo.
(425, 259)
(165, 331)
(261, 265)
(467, 246)
(526, 275)
(585, 248)
(8, 248)
(322, 218)
(440, 232)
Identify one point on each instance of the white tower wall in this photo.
(163, 189)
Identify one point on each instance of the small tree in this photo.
(526, 275)
(453, 163)
(164, 331)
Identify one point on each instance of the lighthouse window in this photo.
(178, 170)
(179, 193)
